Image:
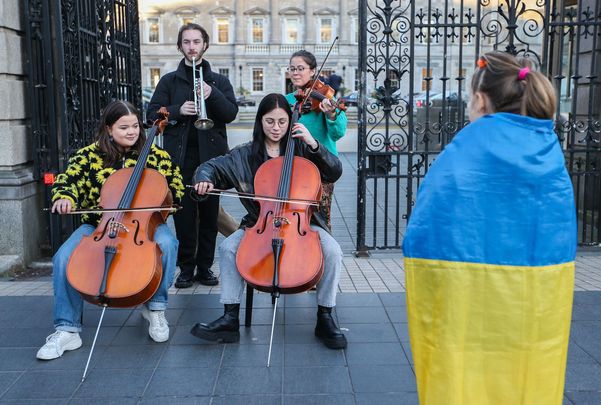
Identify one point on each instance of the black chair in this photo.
(248, 313)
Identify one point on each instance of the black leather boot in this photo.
(327, 331)
(185, 278)
(226, 328)
(206, 277)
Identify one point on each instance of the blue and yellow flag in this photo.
(489, 260)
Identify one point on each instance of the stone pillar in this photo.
(275, 23)
(240, 24)
(21, 230)
(308, 24)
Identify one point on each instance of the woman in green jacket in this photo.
(327, 126)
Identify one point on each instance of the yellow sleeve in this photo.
(69, 185)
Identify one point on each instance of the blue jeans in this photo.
(232, 284)
(68, 304)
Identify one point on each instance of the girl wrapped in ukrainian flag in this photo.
(490, 250)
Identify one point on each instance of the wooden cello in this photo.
(281, 253)
(119, 265)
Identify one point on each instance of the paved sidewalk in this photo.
(381, 273)
(376, 368)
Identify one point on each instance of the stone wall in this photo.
(20, 205)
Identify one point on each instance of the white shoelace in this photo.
(54, 337)
(160, 318)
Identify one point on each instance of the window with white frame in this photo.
(354, 31)
(153, 30)
(155, 75)
(225, 72)
(357, 79)
(326, 30)
(222, 25)
(291, 30)
(257, 30)
(257, 79)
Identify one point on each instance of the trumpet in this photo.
(202, 121)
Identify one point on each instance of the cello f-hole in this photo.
(136, 241)
(264, 224)
(298, 224)
(106, 224)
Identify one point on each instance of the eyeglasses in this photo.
(293, 69)
(271, 123)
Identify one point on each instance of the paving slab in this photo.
(128, 367)
(376, 368)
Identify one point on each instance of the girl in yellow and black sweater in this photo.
(119, 142)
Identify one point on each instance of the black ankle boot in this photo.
(206, 277)
(327, 331)
(226, 328)
(185, 279)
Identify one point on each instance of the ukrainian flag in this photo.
(489, 260)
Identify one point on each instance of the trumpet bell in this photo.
(203, 123)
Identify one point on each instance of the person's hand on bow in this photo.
(203, 187)
(62, 206)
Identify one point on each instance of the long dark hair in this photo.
(111, 114)
(269, 103)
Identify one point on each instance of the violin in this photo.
(315, 91)
(119, 264)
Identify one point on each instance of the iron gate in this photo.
(81, 55)
(415, 62)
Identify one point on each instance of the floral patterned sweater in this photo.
(86, 173)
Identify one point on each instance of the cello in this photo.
(281, 253)
(119, 264)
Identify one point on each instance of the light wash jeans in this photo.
(232, 284)
(68, 304)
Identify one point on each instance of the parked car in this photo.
(419, 99)
(380, 97)
(353, 99)
(242, 101)
(430, 109)
(350, 99)
(433, 110)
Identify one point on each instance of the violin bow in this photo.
(250, 196)
(172, 208)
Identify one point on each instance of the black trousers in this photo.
(195, 225)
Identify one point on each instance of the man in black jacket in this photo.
(196, 223)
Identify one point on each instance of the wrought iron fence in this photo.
(81, 55)
(415, 59)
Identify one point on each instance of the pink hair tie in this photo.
(523, 72)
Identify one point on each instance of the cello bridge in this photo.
(278, 221)
(116, 227)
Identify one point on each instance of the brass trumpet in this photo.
(202, 122)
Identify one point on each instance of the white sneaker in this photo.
(158, 328)
(58, 343)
